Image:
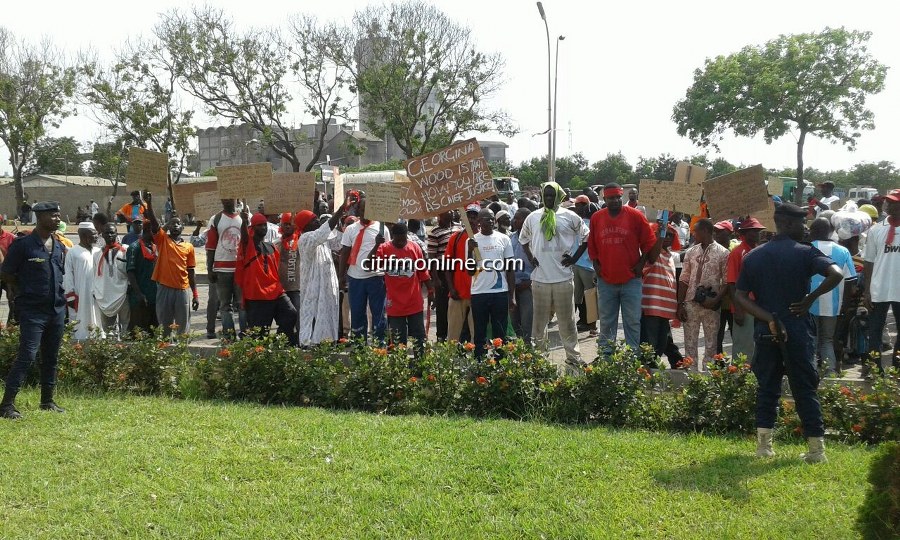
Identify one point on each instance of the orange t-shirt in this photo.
(127, 211)
(173, 261)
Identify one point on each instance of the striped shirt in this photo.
(437, 240)
(829, 304)
(659, 294)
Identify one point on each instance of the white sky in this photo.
(622, 66)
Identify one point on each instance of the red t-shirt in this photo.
(735, 263)
(403, 283)
(257, 272)
(6, 238)
(618, 242)
(462, 281)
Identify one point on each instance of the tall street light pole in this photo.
(550, 167)
(555, 95)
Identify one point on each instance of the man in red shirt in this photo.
(619, 244)
(403, 279)
(6, 238)
(742, 330)
(256, 274)
(458, 279)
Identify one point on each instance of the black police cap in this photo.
(791, 210)
(46, 206)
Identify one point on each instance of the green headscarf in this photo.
(548, 220)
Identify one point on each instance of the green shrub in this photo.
(724, 401)
(879, 515)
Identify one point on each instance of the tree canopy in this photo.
(815, 83)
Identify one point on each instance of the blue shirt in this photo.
(778, 274)
(39, 274)
(584, 261)
(524, 274)
(829, 304)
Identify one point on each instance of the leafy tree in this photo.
(720, 166)
(661, 167)
(136, 99)
(570, 167)
(109, 159)
(816, 83)
(419, 76)
(57, 155)
(36, 89)
(883, 175)
(613, 168)
(390, 165)
(532, 172)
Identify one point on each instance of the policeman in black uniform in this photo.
(34, 270)
(778, 275)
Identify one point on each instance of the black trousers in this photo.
(408, 326)
(143, 316)
(261, 313)
(441, 301)
(726, 318)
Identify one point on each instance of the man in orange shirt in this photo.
(257, 275)
(174, 273)
(133, 210)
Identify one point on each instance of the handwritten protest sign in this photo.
(184, 195)
(775, 185)
(147, 170)
(688, 173)
(206, 204)
(767, 216)
(291, 192)
(383, 201)
(664, 195)
(239, 181)
(737, 194)
(449, 178)
(338, 186)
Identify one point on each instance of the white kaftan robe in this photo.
(78, 284)
(318, 287)
(111, 288)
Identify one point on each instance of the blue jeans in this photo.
(493, 309)
(877, 319)
(368, 292)
(825, 341)
(230, 298)
(770, 366)
(610, 299)
(44, 330)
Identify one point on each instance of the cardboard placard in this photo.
(664, 195)
(291, 192)
(206, 204)
(688, 173)
(383, 201)
(737, 194)
(449, 178)
(147, 170)
(184, 195)
(338, 186)
(240, 181)
(590, 305)
(775, 185)
(767, 217)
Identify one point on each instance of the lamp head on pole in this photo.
(541, 10)
(561, 38)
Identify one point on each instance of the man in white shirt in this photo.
(547, 237)
(365, 289)
(78, 282)
(110, 285)
(828, 197)
(491, 301)
(881, 268)
(222, 240)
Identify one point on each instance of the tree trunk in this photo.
(20, 189)
(798, 194)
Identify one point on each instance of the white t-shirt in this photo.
(885, 284)
(570, 231)
(827, 201)
(227, 235)
(494, 247)
(370, 233)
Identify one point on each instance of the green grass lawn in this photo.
(150, 467)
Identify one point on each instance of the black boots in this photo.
(47, 403)
(8, 409)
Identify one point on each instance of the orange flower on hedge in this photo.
(510, 346)
(162, 344)
(481, 380)
(224, 353)
(588, 368)
(719, 356)
(78, 346)
(259, 349)
(413, 380)
(469, 346)
(492, 362)
(732, 369)
(686, 362)
(380, 352)
(121, 377)
(856, 428)
(497, 342)
(798, 430)
(846, 391)
(431, 378)
(342, 340)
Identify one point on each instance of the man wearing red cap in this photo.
(742, 330)
(288, 264)
(319, 295)
(881, 268)
(619, 244)
(257, 275)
